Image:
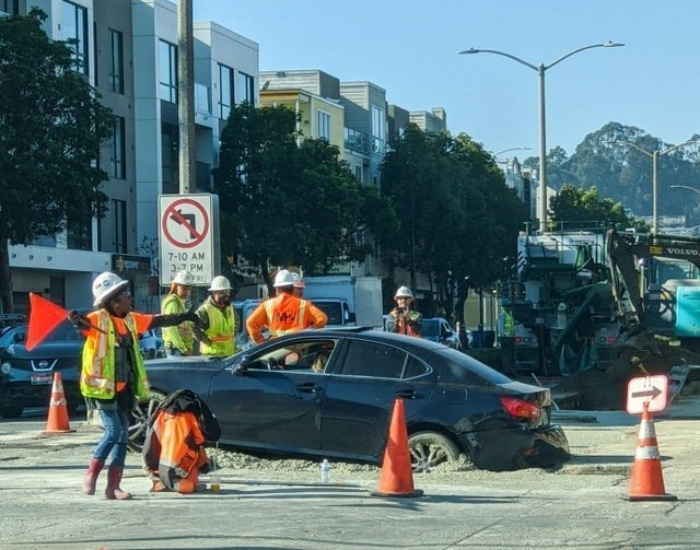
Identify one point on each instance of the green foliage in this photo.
(285, 203)
(51, 128)
(456, 216)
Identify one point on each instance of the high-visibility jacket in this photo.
(284, 314)
(409, 323)
(97, 375)
(180, 337)
(506, 324)
(221, 330)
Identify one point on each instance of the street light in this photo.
(686, 187)
(512, 149)
(654, 175)
(541, 69)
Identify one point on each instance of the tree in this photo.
(51, 128)
(284, 203)
(456, 216)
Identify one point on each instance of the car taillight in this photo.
(520, 408)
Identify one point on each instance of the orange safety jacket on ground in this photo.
(284, 314)
(173, 451)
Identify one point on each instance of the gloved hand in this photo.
(80, 322)
(191, 315)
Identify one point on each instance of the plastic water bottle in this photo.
(325, 471)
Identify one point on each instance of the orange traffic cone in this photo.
(396, 477)
(58, 410)
(647, 482)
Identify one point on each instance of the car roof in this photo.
(369, 333)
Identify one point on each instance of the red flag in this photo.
(44, 316)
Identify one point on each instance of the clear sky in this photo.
(409, 48)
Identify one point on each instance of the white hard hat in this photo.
(105, 285)
(404, 292)
(183, 277)
(283, 278)
(219, 283)
(298, 282)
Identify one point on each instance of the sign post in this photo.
(647, 390)
(189, 236)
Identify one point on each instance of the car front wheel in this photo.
(139, 420)
(431, 449)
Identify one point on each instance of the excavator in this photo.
(581, 295)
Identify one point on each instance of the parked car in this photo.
(437, 329)
(26, 376)
(272, 399)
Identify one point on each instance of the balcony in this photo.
(356, 141)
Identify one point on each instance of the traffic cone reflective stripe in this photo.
(647, 481)
(58, 409)
(396, 477)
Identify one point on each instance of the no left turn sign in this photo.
(189, 237)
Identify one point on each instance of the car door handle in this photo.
(409, 394)
(309, 387)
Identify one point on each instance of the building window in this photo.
(10, 6)
(74, 25)
(323, 125)
(246, 88)
(226, 99)
(358, 172)
(168, 72)
(120, 231)
(169, 158)
(118, 150)
(378, 130)
(116, 62)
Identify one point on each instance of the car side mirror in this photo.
(240, 368)
(352, 318)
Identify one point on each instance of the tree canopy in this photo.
(457, 218)
(289, 203)
(51, 128)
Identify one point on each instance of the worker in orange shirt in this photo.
(284, 313)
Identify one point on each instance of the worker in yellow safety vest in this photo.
(506, 337)
(112, 375)
(217, 320)
(178, 340)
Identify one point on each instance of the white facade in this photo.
(139, 34)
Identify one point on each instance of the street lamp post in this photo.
(541, 69)
(655, 155)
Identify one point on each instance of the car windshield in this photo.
(430, 327)
(333, 310)
(8, 337)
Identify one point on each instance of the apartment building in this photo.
(128, 50)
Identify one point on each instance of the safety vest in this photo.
(285, 315)
(508, 324)
(180, 337)
(98, 364)
(404, 327)
(222, 326)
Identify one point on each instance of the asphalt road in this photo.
(581, 506)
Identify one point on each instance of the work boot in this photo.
(114, 478)
(90, 479)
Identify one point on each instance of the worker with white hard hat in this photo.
(403, 319)
(178, 340)
(299, 284)
(112, 374)
(217, 320)
(285, 312)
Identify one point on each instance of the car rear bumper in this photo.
(514, 449)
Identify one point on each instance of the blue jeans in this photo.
(116, 435)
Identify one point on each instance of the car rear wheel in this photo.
(139, 420)
(431, 449)
(11, 411)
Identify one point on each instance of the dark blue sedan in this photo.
(330, 393)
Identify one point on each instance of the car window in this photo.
(63, 332)
(303, 355)
(415, 368)
(372, 359)
(429, 328)
(8, 337)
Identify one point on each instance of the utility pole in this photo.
(185, 97)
